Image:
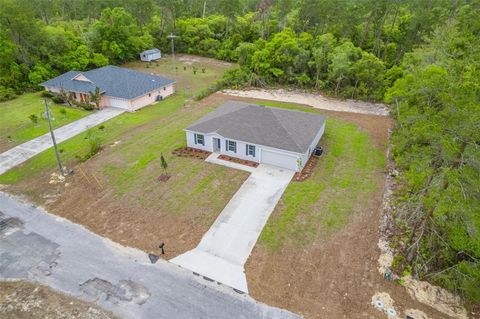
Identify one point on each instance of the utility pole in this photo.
(172, 37)
(53, 138)
(204, 6)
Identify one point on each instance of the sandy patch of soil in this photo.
(22, 300)
(193, 59)
(435, 297)
(315, 100)
(382, 302)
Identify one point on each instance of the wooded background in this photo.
(420, 56)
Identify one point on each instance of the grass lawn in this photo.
(132, 206)
(188, 83)
(343, 180)
(16, 127)
(78, 146)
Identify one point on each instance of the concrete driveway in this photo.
(224, 249)
(27, 150)
(37, 246)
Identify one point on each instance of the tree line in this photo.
(420, 56)
(349, 48)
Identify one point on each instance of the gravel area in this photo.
(315, 100)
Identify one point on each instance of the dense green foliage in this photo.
(422, 56)
(437, 145)
(349, 48)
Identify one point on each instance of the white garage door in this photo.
(279, 159)
(123, 104)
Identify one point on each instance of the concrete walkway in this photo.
(224, 249)
(27, 150)
(40, 247)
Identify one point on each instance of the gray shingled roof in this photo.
(269, 126)
(151, 51)
(112, 80)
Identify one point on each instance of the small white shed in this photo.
(150, 55)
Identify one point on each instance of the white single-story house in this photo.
(269, 135)
(119, 87)
(150, 55)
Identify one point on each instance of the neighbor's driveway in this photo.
(27, 150)
(37, 246)
(226, 246)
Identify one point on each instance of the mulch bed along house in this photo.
(191, 152)
(237, 160)
(307, 171)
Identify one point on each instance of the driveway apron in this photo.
(224, 249)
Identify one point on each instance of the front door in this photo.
(216, 144)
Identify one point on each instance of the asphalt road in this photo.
(45, 248)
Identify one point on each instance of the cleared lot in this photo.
(324, 228)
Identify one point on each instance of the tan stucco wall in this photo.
(133, 104)
(151, 97)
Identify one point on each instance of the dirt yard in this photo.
(333, 276)
(116, 194)
(25, 300)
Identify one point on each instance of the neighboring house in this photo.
(150, 55)
(119, 87)
(261, 134)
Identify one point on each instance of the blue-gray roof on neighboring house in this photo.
(112, 80)
(151, 51)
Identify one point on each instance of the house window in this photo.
(149, 94)
(199, 139)
(74, 95)
(164, 88)
(250, 150)
(231, 146)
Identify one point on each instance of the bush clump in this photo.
(85, 106)
(47, 94)
(7, 94)
(57, 99)
(33, 118)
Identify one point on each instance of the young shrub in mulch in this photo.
(307, 171)
(164, 176)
